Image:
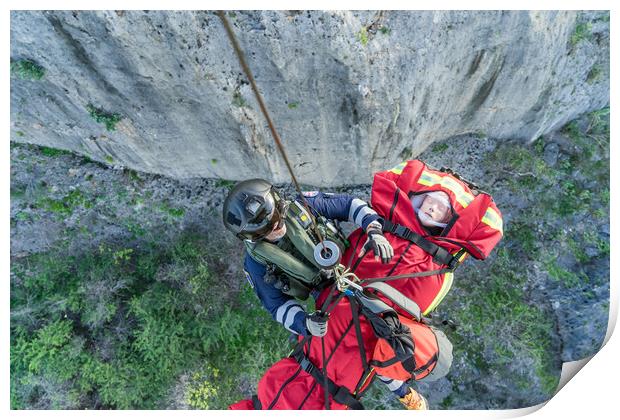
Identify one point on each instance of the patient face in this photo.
(435, 210)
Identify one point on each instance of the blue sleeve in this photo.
(283, 308)
(398, 387)
(342, 207)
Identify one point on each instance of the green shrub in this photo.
(67, 204)
(27, 70)
(238, 100)
(362, 36)
(583, 31)
(594, 74)
(52, 152)
(568, 278)
(109, 119)
(225, 183)
(172, 211)
(129, 323)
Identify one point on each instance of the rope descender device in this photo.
(327, 254)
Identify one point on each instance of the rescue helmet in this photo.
(252, 209)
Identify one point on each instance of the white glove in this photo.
(378, 243)
(316, 323)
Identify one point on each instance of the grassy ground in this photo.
(555, 253)
(116, 327)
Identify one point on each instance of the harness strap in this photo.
(439, 254)
(376, 306)
(385, 363)
(340, 394)
(426, 365)
(358, 332)
(325, 384)
(395, 297)
(289, 380)
(408, 275)
(408, 364)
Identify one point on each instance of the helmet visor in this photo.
(275, 220)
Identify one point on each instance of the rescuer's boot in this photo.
(414, 401)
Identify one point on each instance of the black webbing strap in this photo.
(307, 396)
(439, 254)
(298, 351)
(354, 252)
(396, 194)
(384, 363)
(289, 380)
(408, 363)
(256, 402)
(407, 275)
(324, 368)
(358, 332)
(340, 394)
(300, 344)
(426, 365)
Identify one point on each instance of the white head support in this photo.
(444, 209)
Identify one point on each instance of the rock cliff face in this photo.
(350, 92)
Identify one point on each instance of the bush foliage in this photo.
(27, 70)
(118, 327)
(110, 119)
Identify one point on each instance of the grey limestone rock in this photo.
(351, 92)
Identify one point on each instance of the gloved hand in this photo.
(316, 323)
(378, 243)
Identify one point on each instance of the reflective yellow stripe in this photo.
(429, 179)
(445, 288)
(398, 169)
(462, 196)
(493, 219)
(365, 379)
